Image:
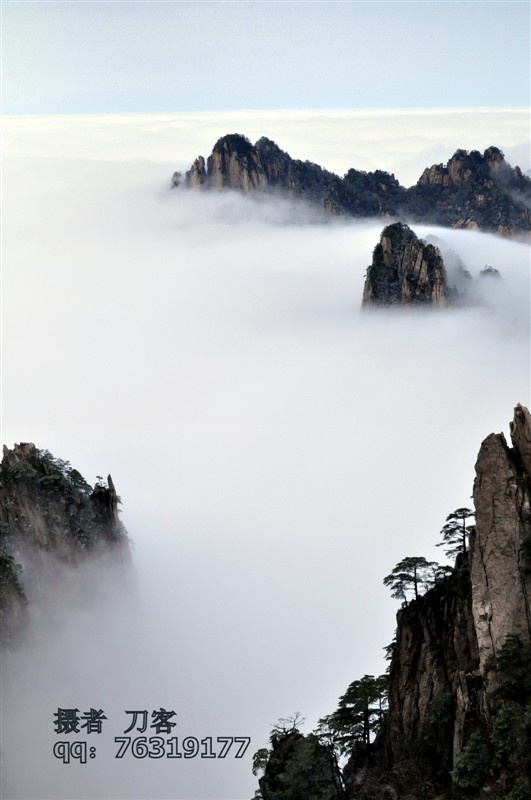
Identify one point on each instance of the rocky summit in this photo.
(405, 270)
(473, 190)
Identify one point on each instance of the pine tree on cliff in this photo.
(359, 715)
(455, 532)
(411, 574)
(297, 766)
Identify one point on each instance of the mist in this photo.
(276, 449)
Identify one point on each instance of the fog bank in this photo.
(277, 450)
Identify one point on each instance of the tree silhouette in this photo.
(359, 714)
(455, 532)
(411, 574)
(297, 766)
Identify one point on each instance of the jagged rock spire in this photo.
(405, 270)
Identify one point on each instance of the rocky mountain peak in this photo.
(196, 175)
(478, 192)
(234, 163)
(275, 163)
(463, 166)
(521, 436)
(470, 191)
(494, 157)
(405, 270)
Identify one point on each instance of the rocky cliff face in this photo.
(445, 668)
(471, 191)
(49, 517)
(475, 191)
(196, 175)
(458, 723)
(235, 164)
(405, 270)
(435, 660)
(500, 572)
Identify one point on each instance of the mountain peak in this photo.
(405, 270)
(472, 190)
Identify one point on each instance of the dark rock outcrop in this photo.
(49, 518)
(237, 164)
(302, 760)
(475, 191)
(435, 654)
(444, 673)
(405, 270)
(471, 191)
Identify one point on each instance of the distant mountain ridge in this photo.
(472, 191)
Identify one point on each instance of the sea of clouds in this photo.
(277, 450)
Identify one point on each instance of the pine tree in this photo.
(412, 573)
(455, 532)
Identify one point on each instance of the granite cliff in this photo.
(445, 678)
(458, 719)
(473, 190)
(408, 271)
(50, 518)
(405, 270)
(500, 568)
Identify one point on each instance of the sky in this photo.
(276, 450)
(118, 56)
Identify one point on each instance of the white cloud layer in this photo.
(276, 450)
(403, 142)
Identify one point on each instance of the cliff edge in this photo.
(452, 718)
(453, 708)
(50, 517)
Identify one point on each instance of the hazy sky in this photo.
(121, 56)
(277, 451)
